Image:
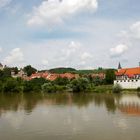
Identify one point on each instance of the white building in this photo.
(128, 78)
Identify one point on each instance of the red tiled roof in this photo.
(128, 71)
(54, 76)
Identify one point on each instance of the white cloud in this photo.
(45, 62)
(135, 30)
(86, 56)
(118, 50)
(53, 11)
(4, 3)
(72, 48)
(15, 58)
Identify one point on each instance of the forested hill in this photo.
(72, 70)
(63, 70)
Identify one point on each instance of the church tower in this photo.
(119, 66)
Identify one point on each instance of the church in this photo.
(128, 78)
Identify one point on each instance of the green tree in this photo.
(15, 69)
(11, 85)
(110, 76)
(48, 88)
(27, 86)
(6, 72)
(29, 70)
(61, 81)
(80, 84)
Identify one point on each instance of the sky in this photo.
(83, 34)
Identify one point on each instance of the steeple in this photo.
(119, 66)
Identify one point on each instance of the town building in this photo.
(128, 78)
(98, 75)
(53, 76)
(20, 74)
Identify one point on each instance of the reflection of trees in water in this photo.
(16, 102)
(109, 100)
(28, 102)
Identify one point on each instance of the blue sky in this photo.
(84, 34)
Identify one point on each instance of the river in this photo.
(69, 117)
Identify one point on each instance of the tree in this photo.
(11, 85)
(110, 76)
(27, 86)
(48, 88)
(29, 70)
(117, 88)
(15, 69)
(80, 84)
(6, 72)
(61, 81)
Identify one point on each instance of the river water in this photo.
(69, 117)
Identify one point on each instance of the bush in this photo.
(1, 86)
(48, 88)
(80, 84)
(138, 89)
(11, 85)
(117, 88)
(61, 81)
(27, 86)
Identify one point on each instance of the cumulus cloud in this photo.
(50, 12)
(73, 47)
(4, 3)
(86, 56)
(15, 58)
(135, 30)
(118, 50)
(45, 62)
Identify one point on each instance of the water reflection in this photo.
(128, 104)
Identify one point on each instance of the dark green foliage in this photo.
(138, 89)
(33, 85)
(1, 86)
(27, 86)
(29, 70)
(98, 81)
(11, 85)
(110, 76)
(83, 72)
(61, 81)
(15, 69)
(117, 88)
(48, 88)
(62, 70)
(80, 84)
(6, 73)
(51, 88)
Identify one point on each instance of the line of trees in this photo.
(82, 84)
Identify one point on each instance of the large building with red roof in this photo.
(128, 78)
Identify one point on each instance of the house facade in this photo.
(128, 78)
